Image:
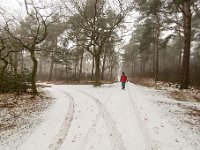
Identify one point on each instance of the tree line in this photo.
(67, 40)
(76, 40)
(165, 43)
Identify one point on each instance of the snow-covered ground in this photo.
(109, 118)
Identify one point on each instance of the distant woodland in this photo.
(82, 41)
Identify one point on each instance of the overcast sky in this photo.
(15, 7)
(10, 4)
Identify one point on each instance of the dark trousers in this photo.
(123, 85)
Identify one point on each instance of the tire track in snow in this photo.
(92, 128)
(60, 137)
(114, 134)
(141, 123)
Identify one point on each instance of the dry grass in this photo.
(172, 89)
(15, 111)
(143, 81)
(186, 95)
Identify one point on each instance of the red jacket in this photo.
(123, 78)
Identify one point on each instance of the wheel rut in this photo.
(141, 123)
(91, 131)
(115, 136)
(60, 137)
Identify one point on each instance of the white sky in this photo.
(16, 7)
(12, 8)
(10, 4)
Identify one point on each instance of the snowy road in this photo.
(109, 118)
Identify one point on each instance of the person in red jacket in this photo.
(123, 80)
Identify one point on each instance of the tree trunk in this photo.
(187, 41)
(11, 62)
(97, 71)
(179, 62)
(111, 73)
(40, 76)
(144, 69)
(66, 71)
(103, 66)
(51, 67)
(132, 68)
(93, 61)
(2, 72)
(75, 69)
(81, 66)
(154, 52)
(22, 62)
(3, 69)
(34, 72)
(16, 62)
(157, 50)
(141, 69)
(55, 71)
(18, 78)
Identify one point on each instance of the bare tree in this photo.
(32, 32)
(98, 22)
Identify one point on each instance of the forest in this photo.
(82, 41)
